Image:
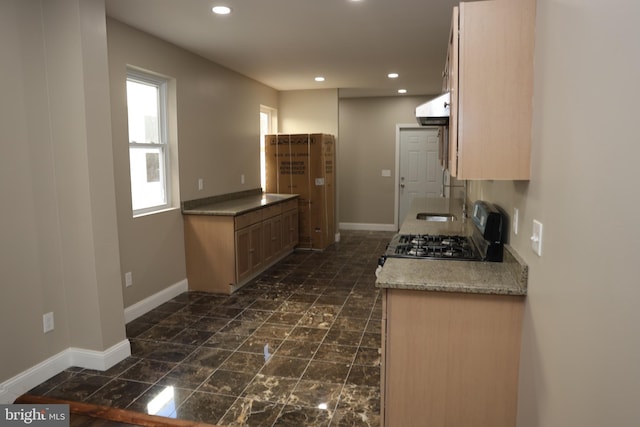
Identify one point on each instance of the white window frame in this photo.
(272, 124)
(163, 145)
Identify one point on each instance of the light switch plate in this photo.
(536, 237)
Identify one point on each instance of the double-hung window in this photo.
(148, 145)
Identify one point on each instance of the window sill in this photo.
(159, 211)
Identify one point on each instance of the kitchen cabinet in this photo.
(450, 359)
(249, 251)
(489, 73)
(224, 252)
(290, 229)
(273, 237)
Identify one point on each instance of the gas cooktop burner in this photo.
(449, 241)
(417, 251)
(432, 246)
(418, 241)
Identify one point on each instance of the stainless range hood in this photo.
(434, 112)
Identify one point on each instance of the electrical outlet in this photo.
(47, 322)
(516, 213)
(536, 237)
(242, 179)
(200, 183)
(128, 279)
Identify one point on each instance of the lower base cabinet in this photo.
(450, 359)
(223, 253)
(249, 251)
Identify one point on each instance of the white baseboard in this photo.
(14, 387)
(99, 360)
(146, 305)
(367, 227)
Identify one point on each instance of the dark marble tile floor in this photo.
(298, 346)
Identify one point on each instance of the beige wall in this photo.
(59, 244)
(218, 130)
(308, 111)
(368, 145)
(581, 346)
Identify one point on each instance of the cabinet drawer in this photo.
(289, 205)
(271, 211)
(245, 220)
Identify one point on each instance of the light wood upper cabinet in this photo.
(490, 76)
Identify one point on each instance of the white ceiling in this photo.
(286, 43)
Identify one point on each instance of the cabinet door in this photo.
(273, 238)
(428, 371)
(248, 251)
(257, 257)
(290, 229)
(243, 253)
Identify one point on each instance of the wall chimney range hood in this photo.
(435, 112)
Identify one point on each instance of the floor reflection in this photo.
(299, 346)
(164, 404)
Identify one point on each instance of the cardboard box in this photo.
(304, 164)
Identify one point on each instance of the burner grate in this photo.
(433, 246)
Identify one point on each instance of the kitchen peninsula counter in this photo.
(231, 239)
(501, 278)
(234, 204)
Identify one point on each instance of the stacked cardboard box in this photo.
(304, 164)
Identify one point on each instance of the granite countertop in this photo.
(234, 204)
(503, 278)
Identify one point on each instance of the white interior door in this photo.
(420, 173)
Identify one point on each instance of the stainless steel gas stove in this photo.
(484, 244)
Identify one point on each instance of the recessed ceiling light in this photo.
(319, 79)
(402, 91)
(393, 75)
(221, 10)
